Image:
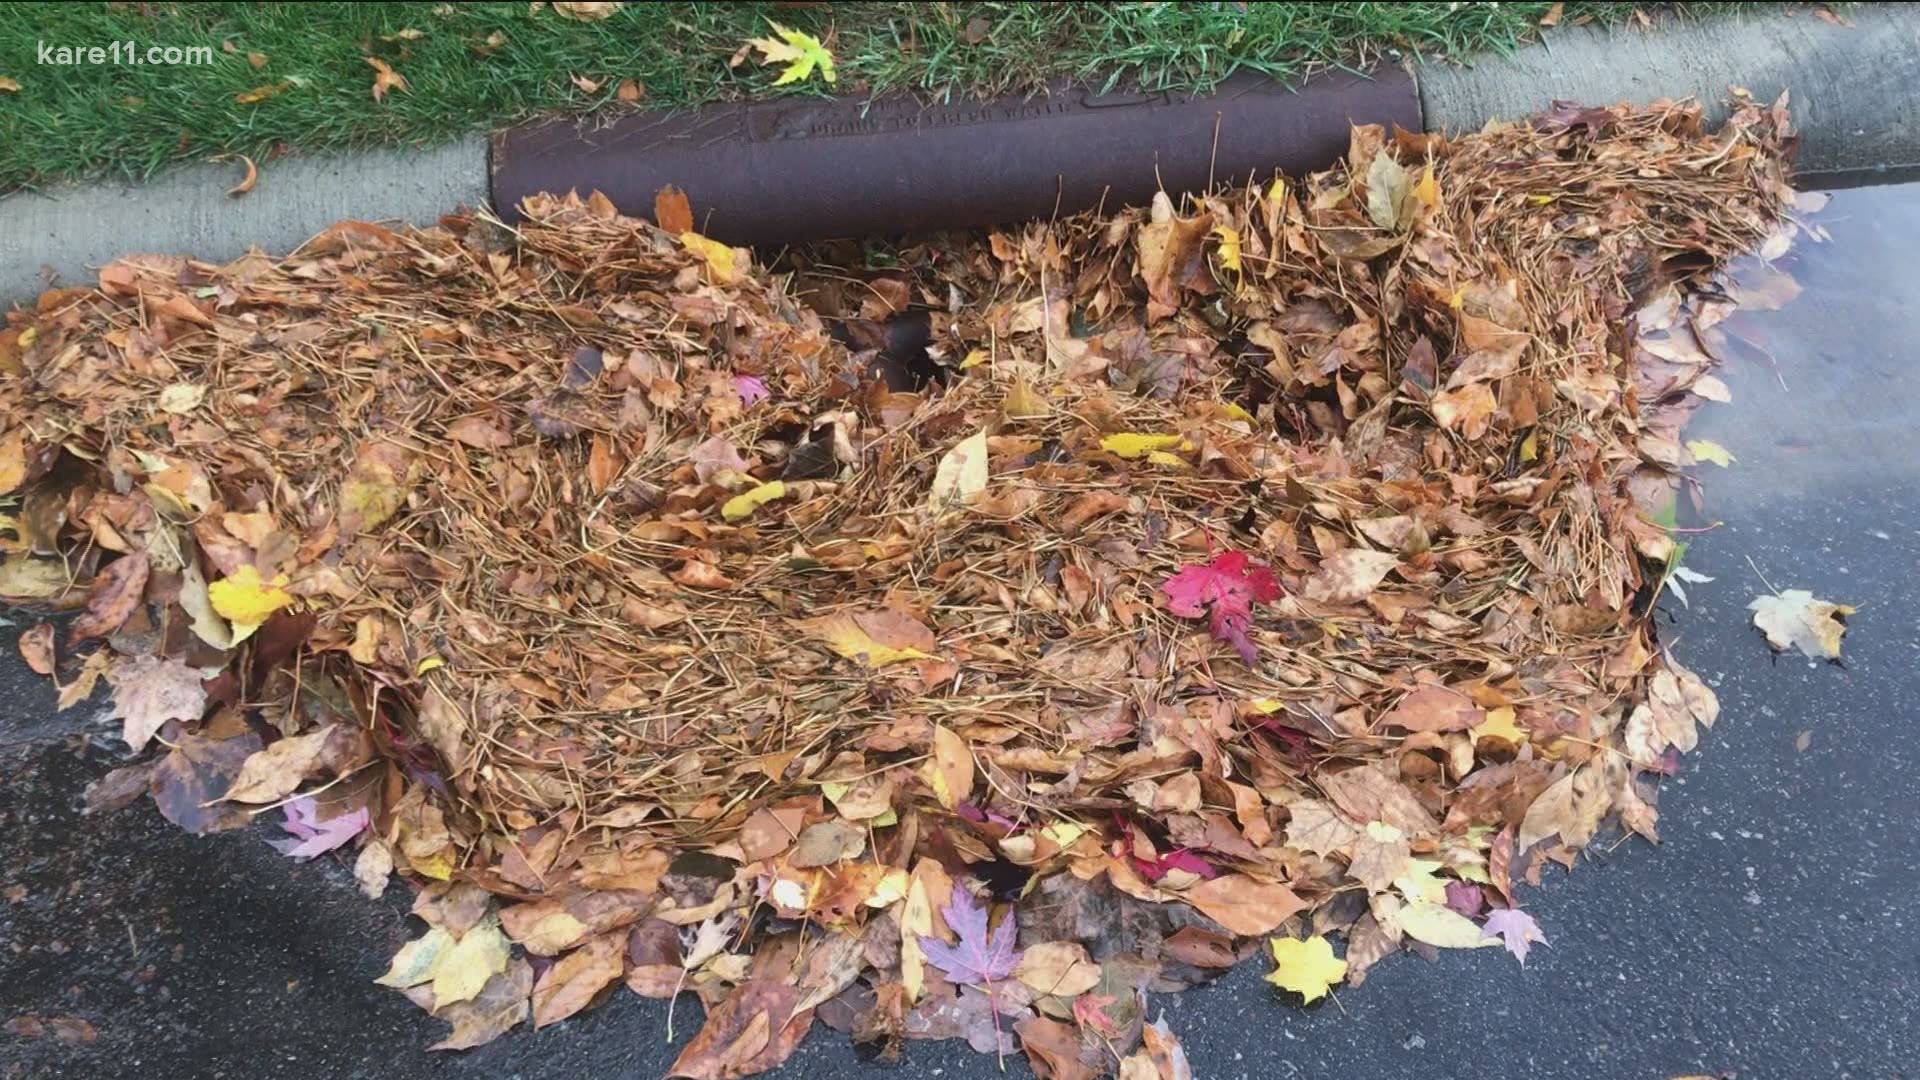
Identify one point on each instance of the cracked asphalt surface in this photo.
(1774, 933)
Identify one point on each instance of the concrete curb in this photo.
(68, 233)
(1850, 99)
(1852, 96)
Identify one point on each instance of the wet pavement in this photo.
(1774, 933)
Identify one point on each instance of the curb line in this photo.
(1849, 86)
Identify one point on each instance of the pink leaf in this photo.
(751, 388)
(1224, 588)
(1177, 859)
(313, 837)
(978, 957)
(978, 816)
(1516, 929)
(1464, 897)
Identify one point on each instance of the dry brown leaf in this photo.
(1053, 1049)
(501, 1006)
(571, 984)
(247, 182)
(949, 772)
(1349, 576)
(36, 648)
(586, 10)
(113, 597)
(1434, 708)
(1317, 827)
(1370, 793)
(1059, 968)
(149, 691)
(753, 1030)
(1244, 905)
(280, 769)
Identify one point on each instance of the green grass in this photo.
(129, 120)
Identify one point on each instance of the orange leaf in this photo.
(246, 182)
(385, 79)
(671, 211)
(1244, 905)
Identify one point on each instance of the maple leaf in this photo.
(1516, 929)
(385, 78)
(149, 691)
(1794, 619)
(801, 52)
(1224, 588)
(312, 837)
(1307, 968)
(979, 957)
(751, 388)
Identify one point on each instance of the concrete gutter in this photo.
(1852, 88)
(1851, 99)
(65, 234)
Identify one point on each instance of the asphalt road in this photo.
(1774, 933)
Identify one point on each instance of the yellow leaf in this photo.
(1266, 706)
(889, 890)
(1064, 833)
(242, 598)
(1442, 927)
(375, 488)
(875, 638)
(742, 506)
(1235, 412)
(1132, 445)
(1165, 460)
(182, 398)
(1530, 447)
(417, 960)
(1277, 191)
(949, 772)
(1420, 884)
(438, 866)
(430, 663)
(479, 955)
(975, 357)
(1499, 725)
(1229, 247)
(1023, 402)
(1427, 191)
(13, 459)
(961, 474)
(1708, 450)
(1307, 968)
(366, 640)
(722, 262)
(261, 93)
(916, 922)
(1543, 200)
(1795, 619)
(801, 52)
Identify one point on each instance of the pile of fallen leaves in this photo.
(1274, 564)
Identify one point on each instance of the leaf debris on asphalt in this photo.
(613, 588)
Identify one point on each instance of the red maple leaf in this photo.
(1225, 588)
